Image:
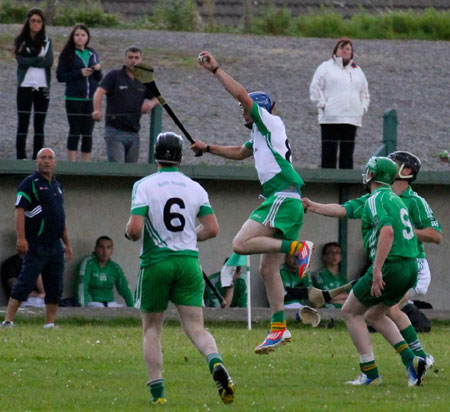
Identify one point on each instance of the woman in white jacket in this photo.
(340, 91)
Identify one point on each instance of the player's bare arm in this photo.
(331, 209)
(208, 227)
(228, 152)
(429, 235)
(384, 246)
(134, 227)
(208, 61)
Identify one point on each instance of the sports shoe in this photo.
(159, 401)
(429, 362)
(363, 380)
(7, 324)
(50, 326)
(224, 383)
(415, 371)
(273, 339)
(303, 257)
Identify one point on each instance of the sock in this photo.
(368, 366)
(278, 321)
(403, 350)
(157, 389)
(290, 246)
(212, 359)
(411, 338)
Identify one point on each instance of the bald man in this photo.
(40, 227)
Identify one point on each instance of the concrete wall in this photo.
(99, 205)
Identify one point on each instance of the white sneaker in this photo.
(7, 324)
(363, 380)
(50, 326)
(429, 362)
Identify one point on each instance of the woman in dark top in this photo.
(80, 69)
(33, 51)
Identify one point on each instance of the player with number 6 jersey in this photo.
(170, 203)
(164, 208)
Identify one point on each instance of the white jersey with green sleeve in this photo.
(272, 152)
(170, 203)
(420, 213)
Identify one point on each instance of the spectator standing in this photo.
(126, 100)
(329, 277)
(164, 209)
(340, 91)
(97, 276)
(34, 55)
(79, 68)
(40, 226)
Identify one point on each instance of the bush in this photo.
(274, 21)
(11, 12)
(175, 15)
(323, 24)
(93, 16)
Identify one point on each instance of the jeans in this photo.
(121, 146)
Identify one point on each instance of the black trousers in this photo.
(47, 259)
(80, 124)
(334, 136)
(27, 97)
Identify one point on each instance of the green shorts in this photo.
(283, 213)
(178, 279)
(400, 275)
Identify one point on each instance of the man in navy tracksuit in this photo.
(40, 225)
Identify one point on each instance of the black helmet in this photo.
(168, 148)
(406, 159)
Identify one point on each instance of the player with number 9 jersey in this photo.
(170, 202)
(385, 208)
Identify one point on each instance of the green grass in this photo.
(98, 366)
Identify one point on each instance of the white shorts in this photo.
(102, 305)
(423, 279)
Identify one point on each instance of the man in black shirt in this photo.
(40, 226)
(126, 100)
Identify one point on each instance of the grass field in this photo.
(98, 366)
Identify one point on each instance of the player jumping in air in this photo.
(272, 228)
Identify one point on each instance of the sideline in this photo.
(210, 314)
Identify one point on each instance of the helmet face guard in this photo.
(169, 148)
(406, 160)
(381, 170)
